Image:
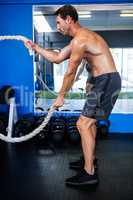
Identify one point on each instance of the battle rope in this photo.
(46, 120)
(31, 134)
(50, 112)
(17, 37)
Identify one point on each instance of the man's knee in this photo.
(84, 123)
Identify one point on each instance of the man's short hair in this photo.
(67, 10)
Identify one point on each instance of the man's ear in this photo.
(68, 19)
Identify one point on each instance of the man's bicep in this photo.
(64, 53)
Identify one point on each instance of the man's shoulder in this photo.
(84, 34)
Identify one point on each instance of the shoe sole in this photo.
(76, 167)
(83, 184)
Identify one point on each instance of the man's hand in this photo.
(59, 102)
(30, 45)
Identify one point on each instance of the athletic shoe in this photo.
(82, 179)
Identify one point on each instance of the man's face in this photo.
(62, 25)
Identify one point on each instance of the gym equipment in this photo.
(45, 87)
(3, 122)
(77, 110)
(58, 130)
(6, 93)
(65, 110)
(24, 125)
(9, 137)
(72, 131)
(7, 97)
(73, 136)
(43, 135)
(57, 137)
(39, 108)
(71, 121)
(103, 128)
(17, 37)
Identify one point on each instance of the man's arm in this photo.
(77, 54)
(51, 55)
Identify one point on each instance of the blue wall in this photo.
(15, 63)
(16, 66)
(121, 123)
(62, 1)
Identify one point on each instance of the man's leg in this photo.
(87, 130)
(79, 164)
(86, 176)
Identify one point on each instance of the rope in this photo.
(17, 37)
(46, 120)
(31, 134)
(14, 37)
(45, 86)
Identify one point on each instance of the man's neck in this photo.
(74, 29)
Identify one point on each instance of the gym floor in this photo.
(29, 171)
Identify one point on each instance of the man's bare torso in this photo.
(97, 52)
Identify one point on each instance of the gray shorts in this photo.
(101, 98)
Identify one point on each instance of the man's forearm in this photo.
(67, 83)
(49, 54)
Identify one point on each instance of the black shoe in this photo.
(79, 164)
(82, 179)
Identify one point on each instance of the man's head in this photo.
(66, 15)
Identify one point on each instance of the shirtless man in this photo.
(103, 89)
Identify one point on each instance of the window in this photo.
(105, 19)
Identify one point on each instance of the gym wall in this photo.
(17, 66)
(15, 63)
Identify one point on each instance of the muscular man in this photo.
(103, 89)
